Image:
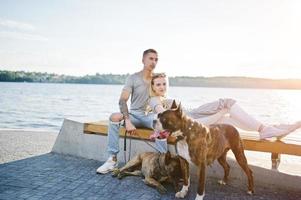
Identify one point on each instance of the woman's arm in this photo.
(159, 108)
(156, 104)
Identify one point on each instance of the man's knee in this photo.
(116, 117)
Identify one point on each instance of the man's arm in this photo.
(123, 105)
(125, 111)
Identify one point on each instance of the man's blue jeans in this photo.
(138, 119)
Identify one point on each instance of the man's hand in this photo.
(131, 129)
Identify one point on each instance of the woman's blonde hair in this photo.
(155, 76)
(152, 93)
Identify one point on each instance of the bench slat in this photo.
(272, 147)
(101, 127)
(250, 140)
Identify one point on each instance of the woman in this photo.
(225, 111)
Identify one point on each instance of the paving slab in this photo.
(57, 176)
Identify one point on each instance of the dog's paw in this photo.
(115, 172)
(180, 194)
(250, 192)
(199, 197)
(221, 182)
(162, 189)
(119, 176)
(183, 192)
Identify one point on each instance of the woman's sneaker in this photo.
(108, 166)
(270, 131)
(289, 127)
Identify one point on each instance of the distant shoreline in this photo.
(172, 85)
(182, 81)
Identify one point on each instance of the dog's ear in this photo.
(167, 158)
(179, 110)
(174, 104)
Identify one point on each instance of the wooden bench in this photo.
(290, 146)
(101, 128)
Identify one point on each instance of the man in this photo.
(137, 86)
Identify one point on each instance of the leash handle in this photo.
(124, 148)
(124, 141)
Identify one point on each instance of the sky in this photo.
(254, 38)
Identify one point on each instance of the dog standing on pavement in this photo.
(157, 168)
(206, 144)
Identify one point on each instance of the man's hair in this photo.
(149, 51)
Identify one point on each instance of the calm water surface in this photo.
(44, 106)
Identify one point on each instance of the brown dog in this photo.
(207, 144)
(156, 168)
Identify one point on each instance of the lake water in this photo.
(35, 106)
(44, 106)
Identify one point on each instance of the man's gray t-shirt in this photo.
(139, 89)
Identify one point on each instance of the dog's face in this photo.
(170, 120)
(175, 167)
(172, 165)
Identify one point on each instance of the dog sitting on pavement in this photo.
(206, 144)
(157, 168)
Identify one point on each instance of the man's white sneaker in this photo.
(108, 166)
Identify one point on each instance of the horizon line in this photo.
(177, 76)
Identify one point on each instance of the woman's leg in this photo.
(212, 119)
(238, 117)
(236, 123)
(247, 122)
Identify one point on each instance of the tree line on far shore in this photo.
(43, 77)
(232, 82)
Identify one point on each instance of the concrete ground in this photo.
(29, 171)
(55, 176)
(18, 144)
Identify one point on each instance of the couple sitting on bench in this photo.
(148, 90)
